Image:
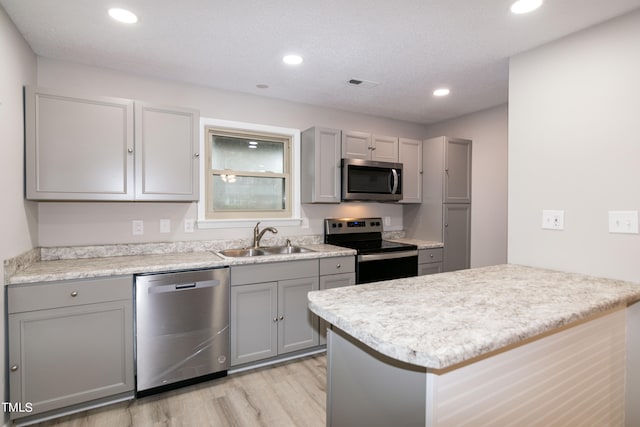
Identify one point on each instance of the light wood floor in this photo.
(287, 394)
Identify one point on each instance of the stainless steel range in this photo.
(377, 259)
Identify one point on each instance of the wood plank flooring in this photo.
(286, 394)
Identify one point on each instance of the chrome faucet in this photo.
(257, 234)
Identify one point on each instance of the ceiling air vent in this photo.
(362, 83)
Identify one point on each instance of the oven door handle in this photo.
(386, 255)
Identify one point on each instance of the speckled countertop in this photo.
(66, 269)
(438, 321)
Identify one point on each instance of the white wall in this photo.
(488, 131)
(104, 223)
(18, 226)
(574, 144)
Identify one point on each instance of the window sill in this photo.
(243, 223)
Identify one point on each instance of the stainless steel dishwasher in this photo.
(182, 328)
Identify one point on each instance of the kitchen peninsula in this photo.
(500, 345)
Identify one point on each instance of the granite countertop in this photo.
(440, 320)
(67, 269)
(421, 244)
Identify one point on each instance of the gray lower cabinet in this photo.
(269, 310)
(457, 236)
(70, 343)
(81, 147)
(335, 272)
(430, 261)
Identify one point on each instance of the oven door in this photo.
(386, 266)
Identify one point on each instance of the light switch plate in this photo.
(553, 220)
(165, 226)
(623, 222)
(137, 227)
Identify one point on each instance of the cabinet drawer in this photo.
(67, 293)
(430, 255)
(343, 264)
(259, 273)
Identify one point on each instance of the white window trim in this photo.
(294, 134)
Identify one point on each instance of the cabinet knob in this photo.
(431, 255)
(74, 294)
(130, 150)
(338, 266)
(281, 318)
(275, 319)
(14, 368)
(446, 225)
(196, 155)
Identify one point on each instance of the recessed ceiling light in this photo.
(525, 6)
(441, 92)
(292, 59)
(123, 15)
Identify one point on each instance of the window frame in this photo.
(231, 220)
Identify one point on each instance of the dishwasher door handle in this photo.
(173, 287)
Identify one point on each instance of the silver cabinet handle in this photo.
(130, 150)
(275, 319)
(74, 294)
(196, 155)
(14, 368)
(431, 255)
(338, 266)
(281, 318)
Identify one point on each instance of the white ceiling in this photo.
(410, 47)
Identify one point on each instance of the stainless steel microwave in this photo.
(367, 180)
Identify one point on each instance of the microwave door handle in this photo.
(394, 173)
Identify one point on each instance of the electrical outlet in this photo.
(189, 225)
(165, 226)
(137, 227)
(387, 220)
(623, 222)
(553, 220)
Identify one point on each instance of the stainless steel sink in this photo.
(273, 250)
(283, 250)
(243, 252)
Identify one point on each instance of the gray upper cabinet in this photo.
(362, 145)
(78, 148)
(457, 169)
(410, 155)
(384, 148)
(320, 165)
(99, 148)
(166, 166)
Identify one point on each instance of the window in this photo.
(248, 173)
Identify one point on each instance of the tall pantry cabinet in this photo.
(445, 212)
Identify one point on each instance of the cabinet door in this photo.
(166, 153)
(410, 155)
(65, 356)
(430, 268)
(330, 282)
(457, 183)
(78, 148)
(296, 324)
(356, 145)
(320, 165)
(457, 236)
(384, 148)
(254, 322)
